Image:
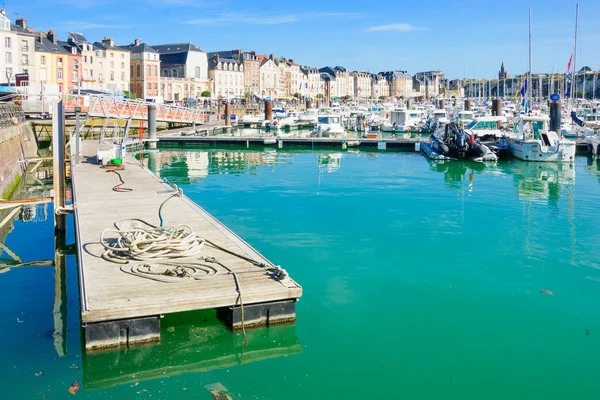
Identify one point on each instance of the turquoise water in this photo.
(421, 280)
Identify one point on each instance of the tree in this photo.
(206, 93)
(347, 97)
(129, 94)
(297, 95)
(382, 98)
(320, 96)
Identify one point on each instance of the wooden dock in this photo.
(119, 308)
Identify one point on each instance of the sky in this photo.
(462, 38)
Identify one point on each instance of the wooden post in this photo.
(152, 125)
(227, 114)
(77, 134)
(60, 297)
(58, 165)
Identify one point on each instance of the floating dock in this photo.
(405, 144)
(119, 308)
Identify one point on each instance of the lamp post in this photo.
(78, 68)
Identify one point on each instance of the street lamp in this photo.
(78, 68)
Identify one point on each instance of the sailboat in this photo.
(535, 142)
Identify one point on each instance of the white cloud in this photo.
(269, 18)
(395, 28)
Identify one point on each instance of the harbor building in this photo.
(183, 71)
(270, 78)
(144, 70)
(226, 76)
(18, 48)
(251, 64)
(399, 82)
(363, 82)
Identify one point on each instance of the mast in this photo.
(574, 80)
(529, 83)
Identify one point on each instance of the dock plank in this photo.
(107, 293)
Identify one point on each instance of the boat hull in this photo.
(533, 151)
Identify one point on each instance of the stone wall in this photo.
(17, 142)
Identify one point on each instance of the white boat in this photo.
(329, 125)
(464, 118)
(406, 120)
(250, 119)
(484, 126)
(309, 116)
(594, 145)
(440, 115)
(537, 143)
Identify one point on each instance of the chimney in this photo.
(272, 57)
(239, 52)
(291, 60)
(38, 39)
(108, 42)
(21, 22)
(51, 37)
(137, 42)
(216, 58)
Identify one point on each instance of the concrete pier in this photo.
(118, 308)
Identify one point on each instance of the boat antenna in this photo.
(529, 83)
(574, 80)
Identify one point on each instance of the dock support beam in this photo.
(261, 314)
(497, 107)
(227, 115)
(152, 125)
(467, 105)
(268, 110)
(122, 332)
(555, 116)
(58, 164)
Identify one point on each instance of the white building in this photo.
(227, 77)
(18, 50)
(270, 79)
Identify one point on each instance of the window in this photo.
(7, 42)
(165, 72)
(74, 77)
(91, 59)
(8, 57)
(155, 68)
(122, 56)
(122, 65)
(43, 60)
(148, 70)
(197, 72)
(24, 45)
(112, 76)
(112, 64)
(101, 77)
(25, 59)
(149, 86)
(156, 86)
(112, 55)
(122, 76)
(131, 71)
(59, 74)
(174, 73)
(138, 71)
(85, 59)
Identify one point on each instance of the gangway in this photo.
(120, 108)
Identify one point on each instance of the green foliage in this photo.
(129, 95)
(206, 93)
(320, 96)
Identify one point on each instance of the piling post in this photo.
(497, 107)
(441, 104)
(468, 105)
(227, 114)
(555, 117)
(152, 125)
(308, 104)
(77, 134)
(268, 110)
(408, 104)
(58, 165)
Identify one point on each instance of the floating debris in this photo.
(75, 386)
(40, 373)
(547, 292)
(220, 395)
(587, 332)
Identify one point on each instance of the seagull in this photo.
(19, 321)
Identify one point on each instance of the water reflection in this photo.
(190, 342)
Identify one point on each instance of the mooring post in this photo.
(441, 104)
(308, 104)
(152, 125)
(227, 114)
(77, 132)
(408, 104)
(468, 105)
(268, 110)
(59, 311)
(496, 107)
(555, 117)
(58, 164)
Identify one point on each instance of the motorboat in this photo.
(536, 142)
(454, 143)
(406, 120)
(329, 125)
(487, 127)
(465, 117)
(251, 120)
(309, 116)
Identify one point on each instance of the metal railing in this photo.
(116, 107)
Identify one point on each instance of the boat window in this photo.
(329, 120)
(414, 115)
